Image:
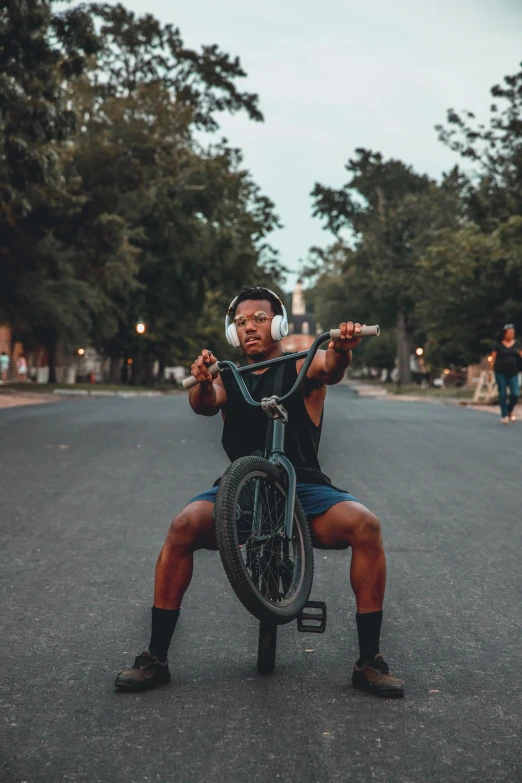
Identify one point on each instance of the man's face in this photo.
(255, 339)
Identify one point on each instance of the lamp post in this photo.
(141, 328)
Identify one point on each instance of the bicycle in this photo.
(263, 537)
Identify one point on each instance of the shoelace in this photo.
(381, 666)
(142, 661)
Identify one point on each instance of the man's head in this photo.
(252, 313)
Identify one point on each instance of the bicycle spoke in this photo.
(273, 562)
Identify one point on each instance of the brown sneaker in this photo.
(147, 672)
(374, 677)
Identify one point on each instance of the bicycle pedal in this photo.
(313, 621)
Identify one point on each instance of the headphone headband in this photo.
(259, 288)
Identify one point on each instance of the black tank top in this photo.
(245, 427)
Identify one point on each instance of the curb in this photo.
(365, 393)
(101, 393)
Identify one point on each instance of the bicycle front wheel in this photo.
(270, 573)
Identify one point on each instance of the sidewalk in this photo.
(377, 392)
(13, 399)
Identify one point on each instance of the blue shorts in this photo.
(315, 499)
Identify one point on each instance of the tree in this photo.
(110, 207)
(494, 192)
(39, 51)
(473, 285)
(139, 52)
(472, 273)
(392, 213)
(196, 218)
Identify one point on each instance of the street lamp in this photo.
(81, 351)
(141, 328)
(419, 351)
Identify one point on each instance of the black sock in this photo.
(369, 632)
(163, 624)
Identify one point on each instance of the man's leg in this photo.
(191, 530)
(350, 523)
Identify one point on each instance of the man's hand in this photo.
(200, 367)
(328, 367)
(348, 338)
(208, 396)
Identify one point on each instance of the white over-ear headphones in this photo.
(278, 329)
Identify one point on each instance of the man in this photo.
(256, 322)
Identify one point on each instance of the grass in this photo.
(454, 392)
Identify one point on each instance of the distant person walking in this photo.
(4, 365)
(505, 362)
(21, 367)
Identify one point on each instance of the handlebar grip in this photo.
(188, 383)
(366, 331)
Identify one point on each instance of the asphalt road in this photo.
(87, 490)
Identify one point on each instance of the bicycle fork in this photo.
(274, 410)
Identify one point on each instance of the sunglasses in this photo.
(258, 318)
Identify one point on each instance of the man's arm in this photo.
(209, 396)
(329, 367)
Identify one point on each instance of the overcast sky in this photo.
(333, 75)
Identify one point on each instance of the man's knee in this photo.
(366, 528)
(185, 529)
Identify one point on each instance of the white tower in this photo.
(298, 302)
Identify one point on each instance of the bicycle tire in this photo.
(225, 515)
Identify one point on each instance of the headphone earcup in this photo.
(232, 337)
(279, 327)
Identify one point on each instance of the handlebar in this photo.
(333, 334)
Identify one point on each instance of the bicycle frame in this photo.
(273, 408)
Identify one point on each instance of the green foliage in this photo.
(473, 274)
(139, 52)
(473, 285)
(440, 261)
(393, 213)
(110, 207)
(38, 52)
(495, 193)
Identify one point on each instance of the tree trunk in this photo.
(403, 350)
(51, 357)
(161, 371)
(115, 371)
(148, 374)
